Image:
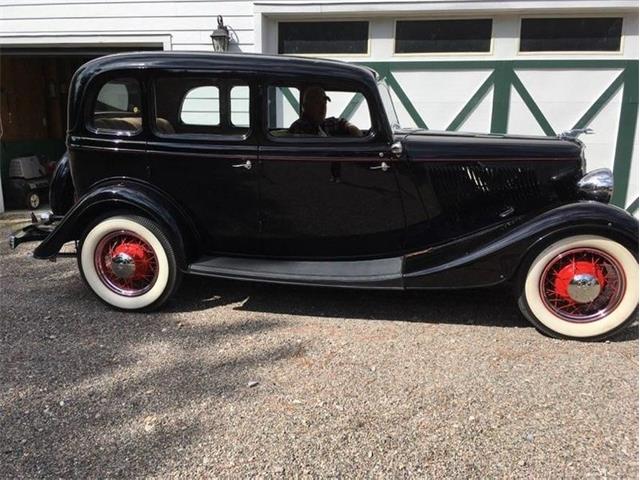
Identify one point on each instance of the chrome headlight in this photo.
(596, 185)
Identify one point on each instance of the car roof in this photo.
(242, 62)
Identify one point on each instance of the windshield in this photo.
(389, 108)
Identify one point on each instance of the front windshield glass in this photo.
(389, 108)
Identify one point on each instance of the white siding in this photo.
(188, 24)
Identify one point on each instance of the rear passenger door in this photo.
(203, 153)
(113, 142)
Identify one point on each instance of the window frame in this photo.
(619, 52)
(315, 141)
(488, 53)
(94, 90)
(213, 76)
(325, 20)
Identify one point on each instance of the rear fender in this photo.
(128, 196)
(473, 262)
(61, 191)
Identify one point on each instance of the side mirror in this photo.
(396, 149)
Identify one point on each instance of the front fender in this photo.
(479, 261)
(123, 195)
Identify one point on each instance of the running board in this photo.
(384, 273)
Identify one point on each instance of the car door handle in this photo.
(384, 166)
(246, 165)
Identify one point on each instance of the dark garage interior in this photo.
(33, 103)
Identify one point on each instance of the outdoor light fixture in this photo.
(220, 37)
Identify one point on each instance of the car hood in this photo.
(437, 145)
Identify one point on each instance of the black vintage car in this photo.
(296, 171)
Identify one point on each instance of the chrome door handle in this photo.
(246, 165)
(384, 166)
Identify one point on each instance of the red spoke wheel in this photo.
(584, 287)
(126, 263)
(129, 262)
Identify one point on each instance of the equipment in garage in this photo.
(28, 183)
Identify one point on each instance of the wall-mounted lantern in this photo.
(220, 37)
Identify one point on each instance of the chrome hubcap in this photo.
(123, 266)
(584, 288)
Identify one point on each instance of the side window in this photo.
(284, 107)
(240, 106)
(315, 111)
(118, 107)
(201, 106)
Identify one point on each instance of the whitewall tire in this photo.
(582, 287)
(128, 262)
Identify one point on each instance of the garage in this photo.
(33, 93)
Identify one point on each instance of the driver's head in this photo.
(314, 103)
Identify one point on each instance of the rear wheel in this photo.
(583, 287)
(128, 262)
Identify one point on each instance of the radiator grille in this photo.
(461, 187)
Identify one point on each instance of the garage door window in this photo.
(570, 34)
(345, 37)
(118, 107)
(440, 36)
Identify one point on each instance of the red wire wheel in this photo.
(582, 285)
(125, 263)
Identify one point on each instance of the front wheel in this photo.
(128, 262)
(582, 287)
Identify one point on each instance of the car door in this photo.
(204, 154)
(327, 198)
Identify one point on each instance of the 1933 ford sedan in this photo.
(291, 170)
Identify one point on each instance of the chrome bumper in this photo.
(39, 229)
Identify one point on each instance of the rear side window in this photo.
(118, 107)
(201, 106)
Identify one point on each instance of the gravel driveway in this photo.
(242, 380)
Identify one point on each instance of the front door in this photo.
(330, 197)
(203, 153)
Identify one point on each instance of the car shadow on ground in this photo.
(493, 307)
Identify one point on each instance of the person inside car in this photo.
(313, 119)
